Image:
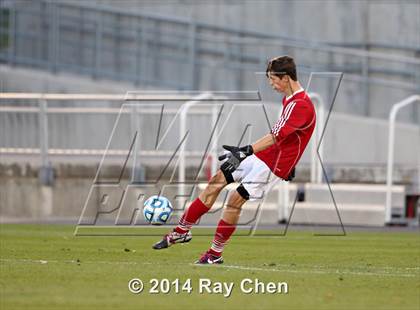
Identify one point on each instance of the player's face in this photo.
(278, 84)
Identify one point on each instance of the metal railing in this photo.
(391, 149)
(191, 99)
(43, 110)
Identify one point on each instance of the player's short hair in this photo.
(281, 66)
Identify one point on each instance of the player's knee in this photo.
(236, 200)
(242, 192)
(234, 204)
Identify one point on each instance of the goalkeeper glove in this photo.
(235, 156)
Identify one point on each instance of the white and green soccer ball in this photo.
(157, 210)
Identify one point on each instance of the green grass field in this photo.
(47, 267)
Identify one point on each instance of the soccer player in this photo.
(256, 167)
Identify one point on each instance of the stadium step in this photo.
(357, 204)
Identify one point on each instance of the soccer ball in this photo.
(157, 210)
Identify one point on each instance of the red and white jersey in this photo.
(292, 132)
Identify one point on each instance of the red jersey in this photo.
(292, 132)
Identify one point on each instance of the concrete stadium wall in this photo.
(16, 79)
(364, 23)
(393, 22)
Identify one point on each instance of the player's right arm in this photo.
(263, 143)
(298, 116)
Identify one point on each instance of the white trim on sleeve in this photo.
(283, 119)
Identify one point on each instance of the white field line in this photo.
(317, 270)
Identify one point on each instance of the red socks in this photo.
(191, 216)
(223, 232)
